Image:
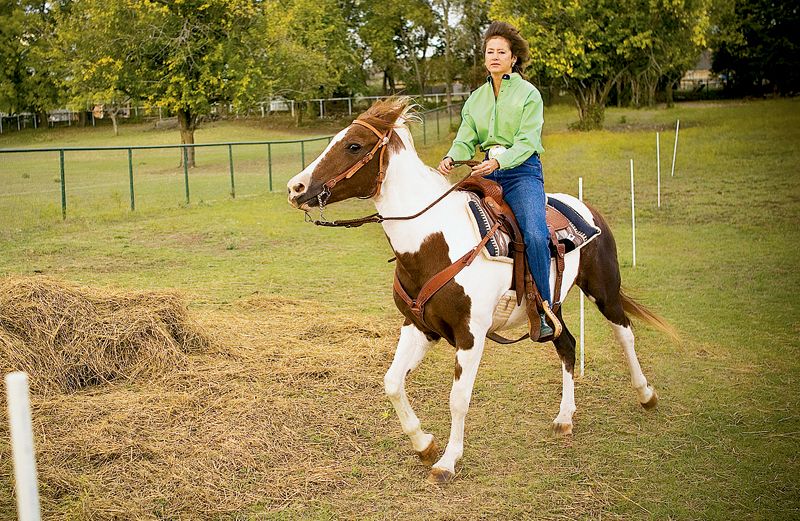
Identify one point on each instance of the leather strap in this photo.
(560, 249)
(505, 341)
(378, 218)
(435, 283)
(383, 140)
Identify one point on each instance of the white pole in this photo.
(580, 196)
(633, 217)
(19, 417)
(658, 168)
(675, 148)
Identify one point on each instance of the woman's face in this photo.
(498, 57)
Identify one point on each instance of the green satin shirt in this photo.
(514, 119)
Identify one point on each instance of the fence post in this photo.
(185, 170)
(437, 125)
(22, 449)
(269, 164)
(230, 161)
(424, 134)
(349, 106)
(130, 177)
(63, 188)
(302, 154)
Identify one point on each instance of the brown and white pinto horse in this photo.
(462, 312)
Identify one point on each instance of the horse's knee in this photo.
(393, 387)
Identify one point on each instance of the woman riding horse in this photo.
(505, 117)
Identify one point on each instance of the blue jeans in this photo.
(523, 190)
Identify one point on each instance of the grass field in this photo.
(285, 418)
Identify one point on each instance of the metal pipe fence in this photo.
(88, 176)
(324, 108)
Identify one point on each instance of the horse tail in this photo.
(635, 309)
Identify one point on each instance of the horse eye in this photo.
(354, 147)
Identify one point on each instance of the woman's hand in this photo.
(445, 165)
(486, 167)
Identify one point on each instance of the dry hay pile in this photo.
(284, 408)
(67, 338)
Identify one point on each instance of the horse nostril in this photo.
(299, 188)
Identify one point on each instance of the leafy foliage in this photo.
(756, 43)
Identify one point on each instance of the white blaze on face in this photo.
(298, 184)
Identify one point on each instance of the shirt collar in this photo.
(505, 77)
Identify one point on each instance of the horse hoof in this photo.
(430, 455)
(440, 476)
(652, 402)
(562, 429)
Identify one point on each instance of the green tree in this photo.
(29, 79)
(667, 38)
(379, 29)
(311, 53)
(194, 53)
(756, 44)
(589, 46)
(101, 65)
(576, 42)
(473, 21)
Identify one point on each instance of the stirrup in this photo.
(556, 324)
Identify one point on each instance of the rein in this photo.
(376, 217)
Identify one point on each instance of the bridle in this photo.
(383, 140)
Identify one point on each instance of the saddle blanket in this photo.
(574, 231)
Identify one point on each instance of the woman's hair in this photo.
(518, 44)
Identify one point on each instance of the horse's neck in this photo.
(409, 187)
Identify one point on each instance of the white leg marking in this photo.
(460, 396)
(567, 408)
(624, 336)
(411, 347)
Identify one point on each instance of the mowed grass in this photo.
(719, 260)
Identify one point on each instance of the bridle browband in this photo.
(383, 140)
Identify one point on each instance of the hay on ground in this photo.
(67, 338)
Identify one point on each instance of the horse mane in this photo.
(385, 113)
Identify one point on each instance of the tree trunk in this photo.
(652, 86)
(669, 94)
(448, 53)
(591, 100)
(113, 116)
(188, 123)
